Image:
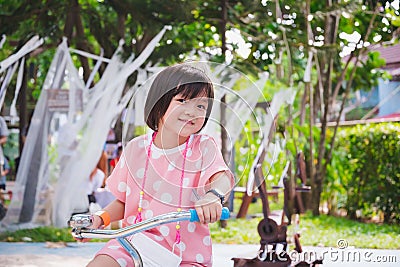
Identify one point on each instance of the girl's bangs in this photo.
(193, 90)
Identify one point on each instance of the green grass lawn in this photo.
(315, 231)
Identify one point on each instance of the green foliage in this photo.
(40, 234)
(315, 231)
(195, 27)
(395, 21)
(92, 25)
(140, 130)
(327, 230)
(367, 75)
(239, 231)
(357, 113)
(249, 141)
(11, 151)
(365, 170)
(246, 148)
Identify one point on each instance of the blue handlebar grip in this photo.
(224, 216)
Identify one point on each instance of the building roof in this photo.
(390, 53)
(390, 116)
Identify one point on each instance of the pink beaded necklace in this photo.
(141, 193)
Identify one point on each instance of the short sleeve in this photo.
(212, 161)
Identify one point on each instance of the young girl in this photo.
(171, 169)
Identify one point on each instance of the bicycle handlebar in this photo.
(80, 222)
(195, 218)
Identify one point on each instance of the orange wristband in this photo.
(104, 216)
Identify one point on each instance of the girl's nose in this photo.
(189, 111)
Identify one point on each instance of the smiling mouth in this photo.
(188, 122)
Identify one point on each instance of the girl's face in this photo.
(184, 116)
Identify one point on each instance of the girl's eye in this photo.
(181, 100)
(202, 107)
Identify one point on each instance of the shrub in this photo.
(369, 156)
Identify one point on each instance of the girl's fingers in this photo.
(208, 211)
(207, 214)
(200, 214)
(213, 215)
(216, 213)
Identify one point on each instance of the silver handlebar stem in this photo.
(79, 232)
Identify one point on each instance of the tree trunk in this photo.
(81, 41)
(74, 19)
(69, 22)
(326, 67)
(329, 97)
(224, 135)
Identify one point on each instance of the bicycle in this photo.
(81, 222)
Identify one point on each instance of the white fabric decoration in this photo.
(62, 147)
(279, 99)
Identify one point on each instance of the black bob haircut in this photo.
(182, 79)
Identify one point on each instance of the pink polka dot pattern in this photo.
(161, 192)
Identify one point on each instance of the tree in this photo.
(335, 79)
(285, 34)
(94, 25)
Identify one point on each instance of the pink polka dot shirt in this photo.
(162, 190)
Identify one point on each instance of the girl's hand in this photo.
(97, 223)
(209, 208)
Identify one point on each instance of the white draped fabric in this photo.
(283, 97)
(241, 94)
(63, 147)
(9, 66)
